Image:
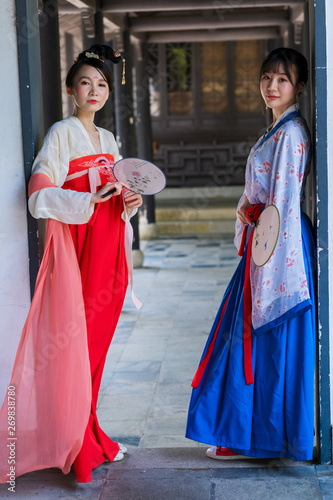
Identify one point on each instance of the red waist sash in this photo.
(253, 214)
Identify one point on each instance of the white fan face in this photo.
(265, 235)
(140, 176)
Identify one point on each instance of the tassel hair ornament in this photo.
(118, 54)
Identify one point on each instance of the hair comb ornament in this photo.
(92, 54)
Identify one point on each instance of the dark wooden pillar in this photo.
(99, 27)
(50, 58)
(143, 119)
(70, 56)
(31, 107)
(105, 117)
(307, 93)
(51, 78)
(124, 102)
(108, 121)
(101, 117)
(291, 35)
(124, 115)
(87, 41)
(274, 43)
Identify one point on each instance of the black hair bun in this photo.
(104, 52)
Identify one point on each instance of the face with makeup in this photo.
(90, 90)
(278, 91)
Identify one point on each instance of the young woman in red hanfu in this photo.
(81, 285)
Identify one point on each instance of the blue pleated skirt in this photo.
(274, 417)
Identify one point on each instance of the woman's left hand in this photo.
(132, 200)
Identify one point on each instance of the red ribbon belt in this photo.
(253, 214)
(202, 367)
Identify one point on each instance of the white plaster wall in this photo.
(329, 49)
(14, 272)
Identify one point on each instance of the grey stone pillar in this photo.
(148, 228)
(124, 116)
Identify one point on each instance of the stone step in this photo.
(215, 228)
(207, 211)
(199, 196)
(184, 214)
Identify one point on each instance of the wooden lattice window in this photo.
(247, 62)
(214, 71)
(226, 79)
(179, 78)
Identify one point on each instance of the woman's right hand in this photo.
(241, 212)
(97, 197)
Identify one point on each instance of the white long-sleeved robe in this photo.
(65, 141)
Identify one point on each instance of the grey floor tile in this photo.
(157, 349)
(157, 484)
(129, 388)
(166, 441)
(116, 427)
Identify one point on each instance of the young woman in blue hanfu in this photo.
(253, 391)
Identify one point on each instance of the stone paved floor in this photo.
(146, 384)
(146, 389)
(180, 474)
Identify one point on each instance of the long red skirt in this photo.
(100, 251)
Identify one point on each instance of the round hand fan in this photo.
(265, 236)
(139, 176)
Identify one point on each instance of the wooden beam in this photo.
(229, 19)
(216, 35)
(172, 5)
